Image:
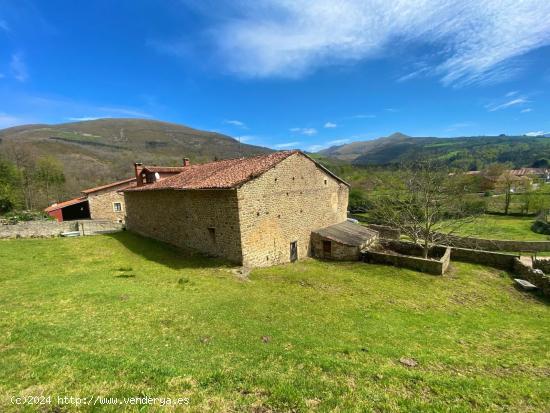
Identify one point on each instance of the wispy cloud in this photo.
(526, 110)
(330, 125)
(391, 110)
(236, 123)
(9, 120)
(338, 142)
(287, 145)
(83, 118)
(536, 133)
(363, 116)
(4, 26)
(304, 131)
(18, 67)
(509, 103)
(479, 41)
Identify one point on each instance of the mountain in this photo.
(473, 152)
(103, 150)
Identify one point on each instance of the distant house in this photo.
(106, 202)
(255, 211)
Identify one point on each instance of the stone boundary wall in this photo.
(496, 245)
(534, 276)
(543, 265)
(493, 259)
(46, 229)
(429, 266)
(385, 232)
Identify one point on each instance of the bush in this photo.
(541, 227)
(24, 216)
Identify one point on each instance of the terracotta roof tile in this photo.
(224, 174)
(65, 204)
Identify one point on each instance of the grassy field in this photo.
(121, 316)
(502, 227)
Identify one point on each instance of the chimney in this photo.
(186, 162)
(138, 167)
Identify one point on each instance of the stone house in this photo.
(106, 202)
(255, 211)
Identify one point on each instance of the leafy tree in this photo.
(10, 186)
(426, 204)
(49, 175)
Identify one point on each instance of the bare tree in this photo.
(427, 204)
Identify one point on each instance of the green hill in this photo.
(104, 150)
(463, 152)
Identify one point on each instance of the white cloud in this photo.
(236, 123)
(330, 125)
(478, 41)
(537, 133)
(83, 118)
(18, 67)
(337, 142)
(512, 93)
(287, 145)
(8, 120)
(363, 116)
(526, 110)
(514, 102)
(245, 138)
(304, 131)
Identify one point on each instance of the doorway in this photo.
(293, 251)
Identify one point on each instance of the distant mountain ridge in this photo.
(103, 150)
(472, 152)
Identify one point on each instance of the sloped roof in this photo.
(224, 174)
(107, 186)
(347, 233)
(64, 204)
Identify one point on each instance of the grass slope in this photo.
(501, 227)
(123, 316)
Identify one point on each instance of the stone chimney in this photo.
(138, 167)
(186, 162)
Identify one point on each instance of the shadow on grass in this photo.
(166, 254)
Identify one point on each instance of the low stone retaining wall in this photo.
(411, 260)
(497, 245)
(543, 265)
(490, 258)
(534, 276)
(385, 232)
(46, 229)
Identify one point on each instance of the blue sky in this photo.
(284, 74)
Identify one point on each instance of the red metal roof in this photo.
(107, 186)
(224, 174)
(65, 204)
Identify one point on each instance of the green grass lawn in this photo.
(502, 227)
(119, 315)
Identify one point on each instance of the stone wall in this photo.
(44, 229)
(284, 205)
(534, 276)
(411, 259)
(492, 259)
(206, 220)
(385, 231)
(542, 264)
(497, 245)
(339, 251)
(102, 204)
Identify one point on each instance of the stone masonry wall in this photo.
(101, 204)
(204, 220)
(497, 245)
(339, 251)
(534, 276)
(284, 205)
(44, 229)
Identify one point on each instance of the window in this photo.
(117, 207)
(212, 234)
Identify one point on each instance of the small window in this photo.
(326, 181)
(117, 207)
(212, 234)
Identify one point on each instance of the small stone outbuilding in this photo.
(342, 242)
